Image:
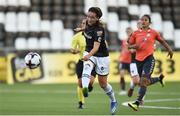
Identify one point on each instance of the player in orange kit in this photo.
(143, 41)
(125, 60)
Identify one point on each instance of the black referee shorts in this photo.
(79, 69)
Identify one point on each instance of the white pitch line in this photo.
(157, 107)
(162, 100)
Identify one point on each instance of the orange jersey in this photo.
(125, 55)
(145, 41)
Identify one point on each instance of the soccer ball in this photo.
(32, 60)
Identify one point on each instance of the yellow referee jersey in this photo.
(79, 42)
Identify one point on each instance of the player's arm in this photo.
(133, 46)
(74, 45)
(93, 51)
(98, 38)
(74, 51)
(132, 50)
(78, 29)
(81, 27)
(165, 44)
(168, 48)
(131, 43)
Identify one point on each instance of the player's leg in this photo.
(109, 91)
(93, 76)
(86, 75)
(122, 84)
(81, 101)
(102, 69)
(135, 79)
(149, 71)
(135, 105)
(80, 95)
(148, 66)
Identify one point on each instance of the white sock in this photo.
(132, 85)
(85, 81)
(109, 91)
(87, 69)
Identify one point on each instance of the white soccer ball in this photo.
(32, 60)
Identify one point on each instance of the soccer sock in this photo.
(87, 68)
(80, 95)
(154, 80)
(142, 92)
(85, 81)
(109, 91)
(132, 85)
(122, 83)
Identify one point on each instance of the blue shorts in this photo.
(146, 66)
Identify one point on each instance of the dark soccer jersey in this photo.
(96, 33)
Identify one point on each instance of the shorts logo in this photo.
(102, 68)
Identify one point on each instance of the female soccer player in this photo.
(143, 41)
(96, 55)
(124, 61)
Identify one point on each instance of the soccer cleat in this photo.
(161, 77)
(90, 88)
(134, 106)
(113, 107)
(130, 92)
(85, 92)
(81, 105)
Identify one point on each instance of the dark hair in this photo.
(96, 10)
(148, 16)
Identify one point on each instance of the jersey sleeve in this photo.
(158, 36)
(99, 35)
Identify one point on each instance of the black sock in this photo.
(154, 80)
(122, 83)
(142, 92)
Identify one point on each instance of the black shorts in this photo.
(79, 69)
(146, 67)
(124, 66)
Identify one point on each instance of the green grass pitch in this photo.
(61, 99)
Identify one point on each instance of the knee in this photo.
(136, 80)
(103, 85)
(144, 81)
(122, 73)
(87, 67)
